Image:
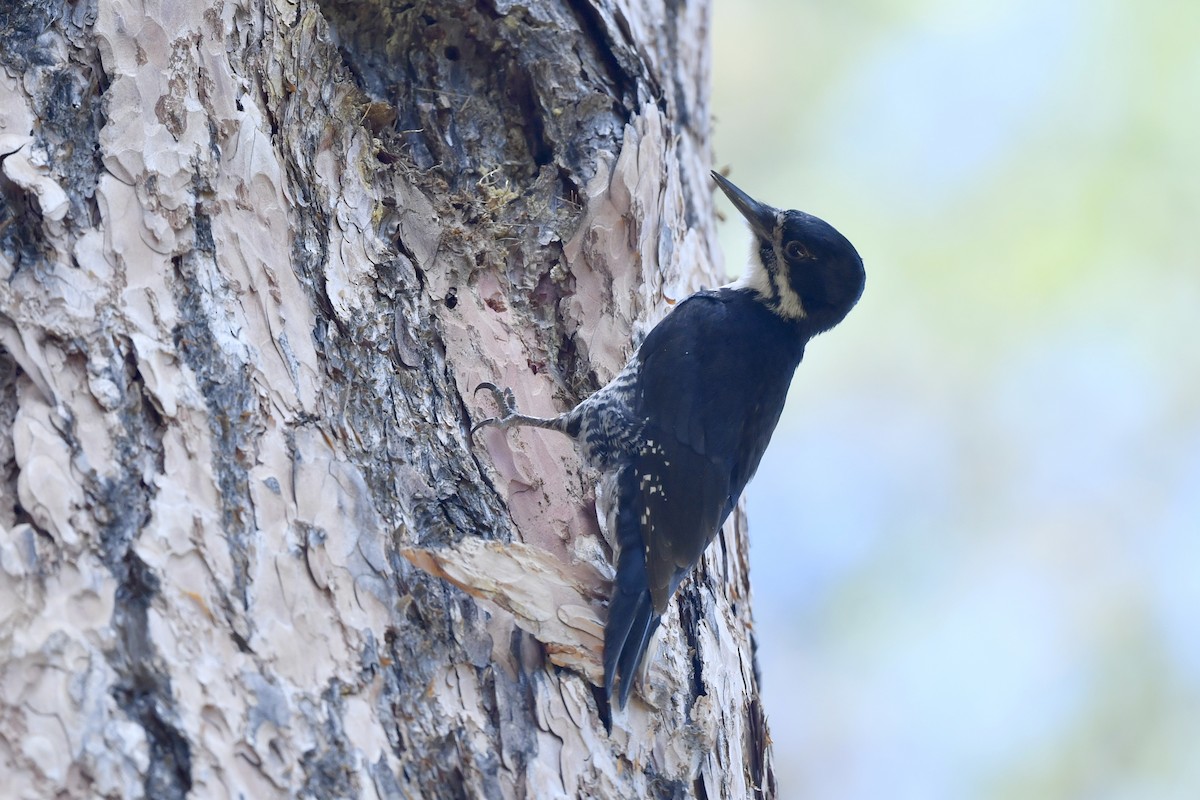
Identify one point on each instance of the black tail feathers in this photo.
(631, 616)
(631, 623)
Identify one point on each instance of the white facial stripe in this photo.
(774, 285)
(789, 302)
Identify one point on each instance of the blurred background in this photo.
(976, 535)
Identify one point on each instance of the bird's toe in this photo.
(506, 403)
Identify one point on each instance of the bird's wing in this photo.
(699, 446)
(657, 523)
(712, 386)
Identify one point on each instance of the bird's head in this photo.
(800, 265)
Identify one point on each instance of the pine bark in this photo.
(255, 257)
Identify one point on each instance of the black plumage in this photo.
(679, 433)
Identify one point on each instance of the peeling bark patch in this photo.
(228, 395)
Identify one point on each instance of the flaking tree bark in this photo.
(255, 257)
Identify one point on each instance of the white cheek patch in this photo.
(774, 285)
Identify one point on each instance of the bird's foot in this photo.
(510, 417)
(504, 401)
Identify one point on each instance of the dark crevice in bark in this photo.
(22, 239)
(680, 110)
(664, 788)
(9, 374)
(122, 504)
(685, 116)
(229, 396)
(329, 766)
(123, 500)
(622, 67)
(603, 709)
(762, 778)
(143, 690)
(71, 115)
(691, 611)
(67, 99)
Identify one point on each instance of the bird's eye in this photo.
(795, 251)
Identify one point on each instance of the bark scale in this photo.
(255, 256)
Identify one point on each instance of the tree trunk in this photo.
(255, 257)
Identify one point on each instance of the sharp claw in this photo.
(481, 423)
(505, 401)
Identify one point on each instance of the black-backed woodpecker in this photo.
(679, 432)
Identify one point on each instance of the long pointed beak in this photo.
(760, 215)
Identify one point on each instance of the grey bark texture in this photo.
(255, 256)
